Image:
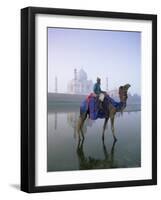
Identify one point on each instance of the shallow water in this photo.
(67, 151)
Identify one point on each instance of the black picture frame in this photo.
(28, 98)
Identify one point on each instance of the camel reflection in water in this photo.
(90, 162)
(93, 163)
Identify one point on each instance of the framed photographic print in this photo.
(88, 99)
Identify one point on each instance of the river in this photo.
(67, 151)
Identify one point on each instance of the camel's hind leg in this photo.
(81, 121)
(104, 128)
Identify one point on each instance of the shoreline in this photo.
(74, 107)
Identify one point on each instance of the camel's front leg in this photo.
(104, 128)
(112, 126)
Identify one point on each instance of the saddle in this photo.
(91, 105)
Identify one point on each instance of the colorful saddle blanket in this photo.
(91, 104)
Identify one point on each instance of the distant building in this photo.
(80, 83)
(113, 93)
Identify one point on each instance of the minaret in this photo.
(56, 84)
(75, 81)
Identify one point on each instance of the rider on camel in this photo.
(99, 93)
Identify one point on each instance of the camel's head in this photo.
(123, 92)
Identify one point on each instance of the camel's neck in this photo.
(121, 106)
(123, 99)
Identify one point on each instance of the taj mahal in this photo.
(80, 83)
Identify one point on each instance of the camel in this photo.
(111, 109)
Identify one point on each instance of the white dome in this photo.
(82, 75)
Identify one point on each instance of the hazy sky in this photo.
(112, 54)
